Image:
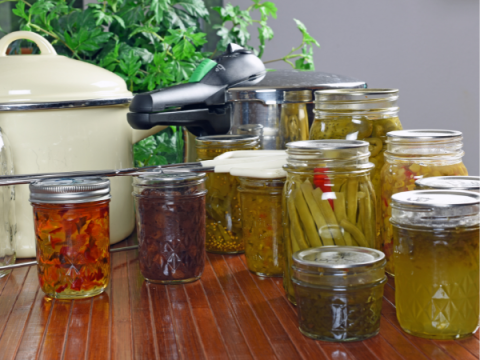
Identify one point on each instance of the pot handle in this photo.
(45, 47)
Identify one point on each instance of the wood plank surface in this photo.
(229, 314)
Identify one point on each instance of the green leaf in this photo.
(306, 36)
(194, 8)
(20, 10)
(183, 50)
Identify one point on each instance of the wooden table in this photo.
(230, 313)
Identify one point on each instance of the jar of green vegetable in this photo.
(328, 198)
(358, 114)
(223, 222)
(294, 116)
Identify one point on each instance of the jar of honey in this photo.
(412, 155)
(224, 218)
(436, 240)
(72, 231)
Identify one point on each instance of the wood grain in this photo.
(229, 314)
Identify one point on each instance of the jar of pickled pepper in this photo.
(261, 206)
(328, 198)
(339, 292)
(412, 155)
(170, 226)
(358, 114)
(436, 240)
(223, 214)
(72, 231)
(467, 183)
(294, 116)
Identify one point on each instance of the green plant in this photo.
(163, 148)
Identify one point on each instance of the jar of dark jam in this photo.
(339, 291)
(170, 213)
(72, 233)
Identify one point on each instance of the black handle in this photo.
(206, 121)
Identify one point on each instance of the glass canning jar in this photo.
(358, 114)
(294, 116)
(468, 183)
(170, 214)
(224, 224)
(412, 155)
(328, 198)
(72, 231)
(261, 206)
(339, 292)
(436, 239)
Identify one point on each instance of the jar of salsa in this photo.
(339, 292)
(71, 219)
(359, 114)
(261, 207)
(412, 155)
(436, 240)
(224, 218)
(467, 183)
(170, 213)
(328, 198)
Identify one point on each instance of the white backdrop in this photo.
(429, 49)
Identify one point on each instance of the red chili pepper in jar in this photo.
(321, 180)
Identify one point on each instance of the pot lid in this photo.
(49, 80)
(276, 85)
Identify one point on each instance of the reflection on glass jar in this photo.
(294, 116)
(358, 114)
(412, 155)
(328, 198)
(261, 205)
(339, 292)
(170, 213)
(71, 219)
(223, 222)
(467, 183)
(436, 262)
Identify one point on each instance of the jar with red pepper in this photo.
(71, 219)
(412, 155)
(328, 198)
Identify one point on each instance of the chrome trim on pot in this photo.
(70, 104)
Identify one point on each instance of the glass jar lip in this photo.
(226, 139)
(355, 95)
(297, 96)
(150, 178)
(423, 134)
(431, 199)
(469, 183)
(70, 190)
(338, 257)
(326, 144)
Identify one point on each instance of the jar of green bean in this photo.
(328, 198)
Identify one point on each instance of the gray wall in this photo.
(429, 49)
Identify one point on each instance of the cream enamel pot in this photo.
(61, 114)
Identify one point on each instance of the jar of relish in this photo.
(412, 155)
(436, 252)
(72, 231)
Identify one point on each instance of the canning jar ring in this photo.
(340, 288)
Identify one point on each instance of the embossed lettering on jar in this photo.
(436, 252)
(412, 155)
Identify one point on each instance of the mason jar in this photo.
(358, 114)
(339, 292)
(436, 239)
(261, 207)
(328, 198)
(223, 214)
(467, 183)
(170, 215)
(294, 116)
(72, 233)
(412, 155)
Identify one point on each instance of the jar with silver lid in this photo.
(72, 231)
(170, 226)
(412, 155)
(467, 183)
(436, 252)
(339, 291)
(328, 198)
(224, 217)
